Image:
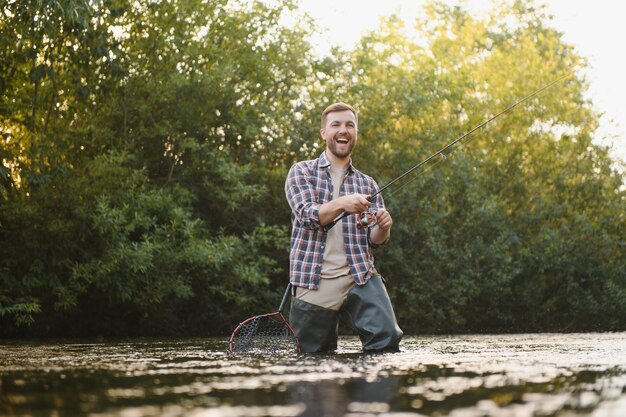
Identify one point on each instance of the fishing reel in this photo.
(365, 219)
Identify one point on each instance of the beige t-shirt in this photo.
(335, 261)
(336, 280)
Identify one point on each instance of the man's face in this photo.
(340, 133)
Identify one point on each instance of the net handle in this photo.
(284, 300)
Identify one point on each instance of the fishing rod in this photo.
(364, 221)
(272, 332)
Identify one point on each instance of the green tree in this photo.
(145, 145)
(139, 203)
(503, 235)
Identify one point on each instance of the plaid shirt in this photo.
(308, 186)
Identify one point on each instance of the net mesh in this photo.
(264, 334)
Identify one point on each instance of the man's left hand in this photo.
(383, 219)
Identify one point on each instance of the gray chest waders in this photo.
(367, 310)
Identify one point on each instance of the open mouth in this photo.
(342, 140)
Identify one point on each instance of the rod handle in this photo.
(284, 300)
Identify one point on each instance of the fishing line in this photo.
(444, 150)
(427, 168)
(463, 136)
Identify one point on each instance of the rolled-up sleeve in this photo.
(301, 196)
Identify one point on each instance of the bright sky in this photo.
(596, 28)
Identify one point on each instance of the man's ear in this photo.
(322, 132)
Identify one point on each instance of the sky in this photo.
(596, 28)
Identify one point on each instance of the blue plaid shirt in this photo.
(308, 186)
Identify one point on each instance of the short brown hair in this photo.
(337, 107)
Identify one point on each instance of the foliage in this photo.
(145, 145)
(519, 228)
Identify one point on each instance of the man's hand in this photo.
(382, 229)
(354, 203)
(383, 219)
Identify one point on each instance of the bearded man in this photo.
(332, 268)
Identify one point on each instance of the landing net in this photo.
(267, 333)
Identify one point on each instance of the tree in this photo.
(132, 204)
(145, 148)
(503, 235)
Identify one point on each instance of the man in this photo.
(332, 269)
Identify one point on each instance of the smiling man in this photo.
(332, 269)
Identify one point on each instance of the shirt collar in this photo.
(325, 163)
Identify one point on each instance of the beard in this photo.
(341, 150)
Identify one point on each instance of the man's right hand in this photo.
(354, 203)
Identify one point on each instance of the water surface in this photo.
(466, 376)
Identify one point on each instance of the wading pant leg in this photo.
(368, 311)
(316, 327)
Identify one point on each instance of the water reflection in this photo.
(512, 375)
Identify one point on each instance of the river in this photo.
(461, 376)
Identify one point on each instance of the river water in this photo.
(462, 376)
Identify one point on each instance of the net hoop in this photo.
(251, 330)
